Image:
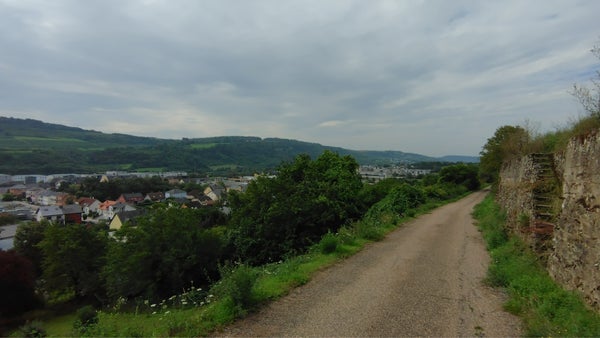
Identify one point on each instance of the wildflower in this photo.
(153, 305)
(146, 302)
(199, 289)
(167, 312)
(210, 296)
(154, 312)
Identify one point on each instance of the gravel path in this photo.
(424, 279)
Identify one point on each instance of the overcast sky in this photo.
(431, 77)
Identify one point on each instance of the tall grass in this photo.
(545, 307)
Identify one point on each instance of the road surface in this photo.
(424, 279)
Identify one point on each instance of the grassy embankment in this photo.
(545, 307)
(198, 312)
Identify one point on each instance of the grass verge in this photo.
(545, 307)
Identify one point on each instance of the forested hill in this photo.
(30, 146)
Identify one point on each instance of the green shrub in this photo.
(237, 283)
(369, 231)
(33, 329)
(328, 243)
(86, 317)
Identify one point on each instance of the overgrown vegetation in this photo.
(187, 271)
(546, 309)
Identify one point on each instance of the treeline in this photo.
(171, 249)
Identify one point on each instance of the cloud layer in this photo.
(432, 77)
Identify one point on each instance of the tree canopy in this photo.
(165, 253)
(282, 215)
(507, 142)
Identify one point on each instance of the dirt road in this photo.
(424, 279)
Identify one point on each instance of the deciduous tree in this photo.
(27, 238)
(73, 256)
(507, 143)
(164, 253)
(282, 215)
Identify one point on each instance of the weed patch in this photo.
(546, 308)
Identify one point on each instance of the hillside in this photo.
(30, 146)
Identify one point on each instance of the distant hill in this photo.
(30, 146)
(459, 158)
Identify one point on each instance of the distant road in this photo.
(424, 279)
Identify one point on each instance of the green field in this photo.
(224, 167)
(203, 145)
(46, 139)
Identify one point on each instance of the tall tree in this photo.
(164, 253)
(73, 258)
(461, 174)
(27, 238)
(282, 215)
(507, 143)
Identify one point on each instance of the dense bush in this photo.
(33, 329)
(328, 243)
(466, 175)
(237, 284)
(280, 216)
(27, 238)
(400, 200)
(86, 317)
(73, 256)
(166, 252)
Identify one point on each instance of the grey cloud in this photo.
(361, 74)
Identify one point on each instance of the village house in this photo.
(18, 190)
(47, 197)
(123, 217)
(51, 213)
(105, 210)
(32, 194)
(154, 197)
(72, 213)
(214, 191)
(89, 205)
(235, 185)
(131, 198)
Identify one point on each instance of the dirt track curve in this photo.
(424, 279)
